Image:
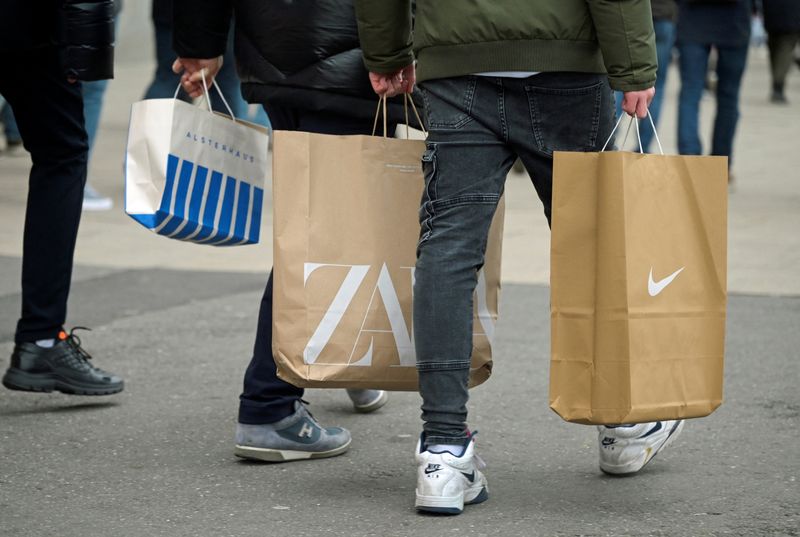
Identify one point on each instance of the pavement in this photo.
(177, 321)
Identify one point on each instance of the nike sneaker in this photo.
(366, 401)
(626, 449)
(295, 437)
(64, 367)
(445, 483)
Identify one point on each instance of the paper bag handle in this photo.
(205, 94)
(633, 121)
(382, 105)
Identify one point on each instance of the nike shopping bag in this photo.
(638, 283)
(194, 175)
(346, 226)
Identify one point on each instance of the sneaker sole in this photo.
(624, 472)
(449, 506)
(285, 455)
(15, 379)
(374, 405)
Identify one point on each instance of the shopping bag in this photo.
(346, 226)
(638, 283)
(194, 175)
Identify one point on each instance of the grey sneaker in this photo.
(366, 401)
(293, 438)
(94, 201)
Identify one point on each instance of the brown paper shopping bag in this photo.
(638, 283)
(346, 227)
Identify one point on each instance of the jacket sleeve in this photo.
(200, 27)
(384, 29)
(627, 40)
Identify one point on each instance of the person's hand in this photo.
(391, 84)
(191, 79)
(635, 103)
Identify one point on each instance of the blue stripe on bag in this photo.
(210, 212)
(255, 221)
(180, 200)
(242, 210)
(226, 215)
(241, 217)
(195, 201)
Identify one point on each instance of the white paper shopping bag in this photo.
(194, 175)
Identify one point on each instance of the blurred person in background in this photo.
(664, 15)
(782, 22)
(165, 82)
(308, 74)
(48, 48)
(704, 25)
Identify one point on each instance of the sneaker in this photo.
(778, 97)
(626, 449)
(14, 148)
(64, 367)
(446, 483)
(295, 437)
(94, 201)
(366, 401)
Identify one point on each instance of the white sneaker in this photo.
(626, 449)
(366, 401)
(94, 201)
(445, 483)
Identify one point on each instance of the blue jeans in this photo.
(92, 106)
(165, 82)
(665, 41)
(477, 127)
(693, 67)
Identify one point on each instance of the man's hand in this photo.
(192, 80)
(391, 84)
(635, 103)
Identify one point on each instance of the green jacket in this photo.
(460, 37)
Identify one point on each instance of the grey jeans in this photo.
(477, 127)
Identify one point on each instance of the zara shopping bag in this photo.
(194, 175)
(346, 227)
(638, 283)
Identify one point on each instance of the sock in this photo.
(455, 449)
(45, 343)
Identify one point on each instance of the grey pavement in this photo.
(178, 322)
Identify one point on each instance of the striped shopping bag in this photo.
(194, 176)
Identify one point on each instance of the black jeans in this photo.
(266, 398)
(477, 127)
(49, 113)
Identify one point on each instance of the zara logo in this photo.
(385, 288)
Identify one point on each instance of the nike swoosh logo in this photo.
(654, 288)
(470, 476)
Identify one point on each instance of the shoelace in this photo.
(78, 351)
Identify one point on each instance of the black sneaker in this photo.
(64, 367)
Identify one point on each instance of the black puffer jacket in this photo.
(298, 53)
(83, 31)
(782, 16)
(86, 38)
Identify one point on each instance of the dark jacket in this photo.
(782, 16)
(455, 37)
(664, 9)
(714, 23)
(82, 30)
(302, 53)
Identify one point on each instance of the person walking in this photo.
(501, 80)
(310, 79)
(782, 22)
(725, 27)
(41, 83)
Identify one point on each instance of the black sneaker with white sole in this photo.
(64, 367)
